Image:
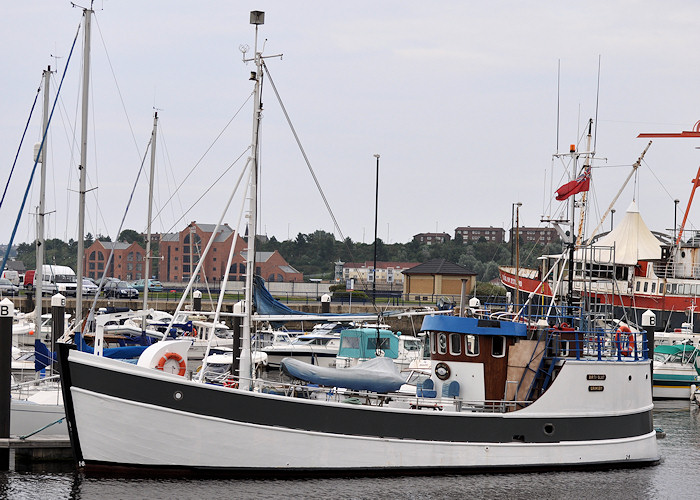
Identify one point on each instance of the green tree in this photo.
(130, 236)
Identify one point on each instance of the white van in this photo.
(55, 279)
(13, 276)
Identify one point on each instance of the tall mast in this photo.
(257, 18)
(38, 274)
(82, 167)
(147, 268)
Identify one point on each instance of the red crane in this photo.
(696, 182)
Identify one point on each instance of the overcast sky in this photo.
(459, 99)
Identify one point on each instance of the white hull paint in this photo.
(255, 446)
(27, 418)
(200, 441)
(664, 392)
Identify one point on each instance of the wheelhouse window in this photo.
(472, 342)
(646, 286)
(498, 346)
(455, 344)
(639, 283)
(442, 343)
(653, 288)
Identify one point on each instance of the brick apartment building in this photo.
(181, 252)
(540, 235)
(127, 263)
(271, 266)
(430, 238)
(387, 273)
(468, 234)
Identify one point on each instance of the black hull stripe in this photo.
(107, 469)
(355, 420)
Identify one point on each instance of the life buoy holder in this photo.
(626, 346)
(193, 332)
(172, 356)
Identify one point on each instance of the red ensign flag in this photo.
(578, 185)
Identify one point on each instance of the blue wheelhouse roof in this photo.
(474, 326)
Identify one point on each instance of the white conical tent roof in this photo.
(627, 244)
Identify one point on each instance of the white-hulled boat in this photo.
(496, 399)
(317, 349)
(675, 373)
(361, 344)
(504, 403)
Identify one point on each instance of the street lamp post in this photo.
(612, 216)
(675, 217)
(376, 209)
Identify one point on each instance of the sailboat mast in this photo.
(38, 274)
(82, 167)
(257, 18)
(147, 268)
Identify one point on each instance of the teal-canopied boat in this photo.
(675, 373)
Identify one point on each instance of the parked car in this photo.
(153, 285)
(7, 287)
(120, 290)
(89, 287)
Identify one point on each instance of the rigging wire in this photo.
(36, 160)
(303, 152)
(313, 174)
(19, 148)
(211, 186)
(116, 84)
(169, 175)
(121, 225)
(201, 158)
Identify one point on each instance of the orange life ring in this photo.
(194, 332)
(626, 347)
(231, 382)
(178, 359)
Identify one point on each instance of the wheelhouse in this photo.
(472, 352)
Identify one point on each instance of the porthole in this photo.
(548, 429)
(178, 396)
(442, 371)
(629, 378)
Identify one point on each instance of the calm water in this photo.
(676, 477)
